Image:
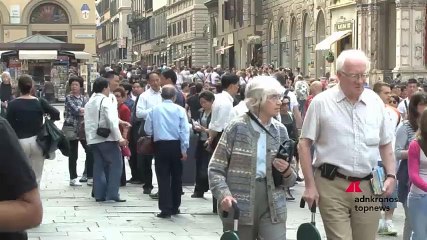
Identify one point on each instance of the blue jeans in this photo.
(417, 205)
(107, 170)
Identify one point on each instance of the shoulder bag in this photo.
(286, 151)
(101, 131)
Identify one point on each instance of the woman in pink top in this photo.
(417, 167)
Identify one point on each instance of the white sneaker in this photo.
(389, 228)
(90, 181)
(74, 182)
(381, 227)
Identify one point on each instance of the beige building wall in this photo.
(15, 21)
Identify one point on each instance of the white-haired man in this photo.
(348, 126)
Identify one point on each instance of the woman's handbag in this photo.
(49, 137)
(125, 151)
(69, 132)
(145, 145)
(101, 131)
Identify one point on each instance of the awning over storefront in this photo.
(38, 54)
(224, 48)
(81, 55)
(334, 37)
(4, 51)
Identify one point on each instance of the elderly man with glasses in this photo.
(347, 124)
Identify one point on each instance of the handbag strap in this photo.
(252, 116)
(99, 112)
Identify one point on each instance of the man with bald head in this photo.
(168, 124)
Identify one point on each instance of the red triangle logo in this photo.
(354, 187)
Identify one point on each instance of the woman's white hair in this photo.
(5, 74)
(258, 89)
(351, 54)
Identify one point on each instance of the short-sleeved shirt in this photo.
(347, 135)
(403, 106)
(16, 175)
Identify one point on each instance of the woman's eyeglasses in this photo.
(392, 102)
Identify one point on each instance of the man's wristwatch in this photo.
(391, 176)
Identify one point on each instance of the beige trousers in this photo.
(344, 216)
(35, 156)
(263, 228)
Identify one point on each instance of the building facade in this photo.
(114, 38)
(311, 34)
(187, 31)
(64, 20)
(235, 33)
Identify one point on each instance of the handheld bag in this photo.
(100, 131)
(308, 231)
(232, 235)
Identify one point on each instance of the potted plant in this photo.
(330, 57)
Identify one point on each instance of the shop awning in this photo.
(225, 48)
(4, 51)
(81, 55)
(38, 54)
(334, 37)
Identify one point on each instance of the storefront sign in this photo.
(87, 36)
(15, 14)
(344, 26)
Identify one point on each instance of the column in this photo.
(410, 41)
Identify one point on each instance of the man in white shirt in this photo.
(347, 125)
(411, 87)
(392, 116)
(146, 102)
(101, 112)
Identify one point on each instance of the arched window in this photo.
(294, 44)
(270, 43)
(307, 44)
(320, 35)
(282, 45)
(49, 13)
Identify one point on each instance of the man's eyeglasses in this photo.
(393, 102)
(356, 76)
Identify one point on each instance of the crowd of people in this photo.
(342, 130)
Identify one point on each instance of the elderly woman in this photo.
(241, 169)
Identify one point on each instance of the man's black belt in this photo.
(353, 179)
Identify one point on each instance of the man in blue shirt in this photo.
(168, 124)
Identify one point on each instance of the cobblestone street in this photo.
(70, 213)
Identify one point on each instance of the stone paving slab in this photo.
(71, 214)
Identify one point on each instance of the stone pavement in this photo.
(70, 213)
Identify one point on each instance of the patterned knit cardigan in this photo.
(232, 169)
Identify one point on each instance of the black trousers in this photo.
(214, 144)
(123, 178)
(72, 159)
(202, 162)
(135, 167)
(169, 172)
(147, 173)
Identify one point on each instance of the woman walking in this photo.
(203, 156)
(73, 129)
(404, 136)
(417, 165)
(25, 115)
(241, 169)
(104, 138)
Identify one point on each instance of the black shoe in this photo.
(163, 215)
(176, 212)
(83, 179)
(154, 195)
(132, 181)
(182, 193)
(197, 195)
(119, 200)
(147, 191)
(100, 200)
(299, 179)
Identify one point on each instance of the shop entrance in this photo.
(344, 44)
